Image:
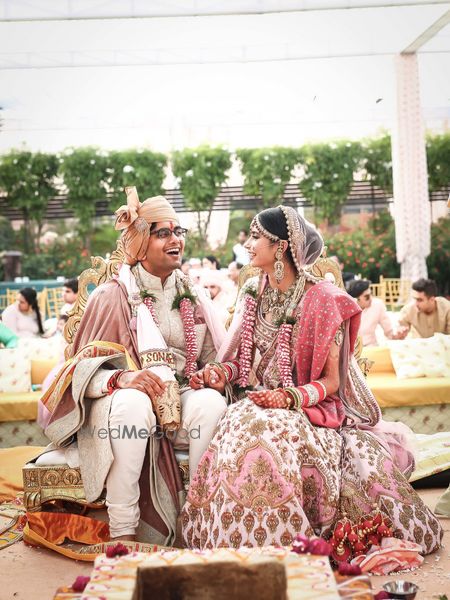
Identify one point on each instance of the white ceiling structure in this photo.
(166, 74)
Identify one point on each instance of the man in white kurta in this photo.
(154, 257)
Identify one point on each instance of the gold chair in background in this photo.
(379, 290)
(397, 292)
(53, 302)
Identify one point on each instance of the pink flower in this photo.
(320, 547)
(80, 583)
(348, 569)
(117, 550)
(300, 544)
(381, 595)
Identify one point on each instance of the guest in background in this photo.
(240, 253)
(24, 317)
(195, 269)
(374, 312)
(8, 338)
(234, 268)
(211, 262)
(185, 266)
(426, 314)
(219, 290)
(70, 295)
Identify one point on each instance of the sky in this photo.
(241, 81)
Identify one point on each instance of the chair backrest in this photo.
(3, 301)
(102, 270)
(53, 302)
(379, 290)
(397, 291)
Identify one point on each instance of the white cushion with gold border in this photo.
(15, 371)
(420, 357)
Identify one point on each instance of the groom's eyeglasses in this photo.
(165, 233)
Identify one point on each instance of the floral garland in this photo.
(246, 345)
(148, 299)
(283, 351)
(184, 301)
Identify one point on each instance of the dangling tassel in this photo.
(133, 323)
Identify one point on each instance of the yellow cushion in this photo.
(40, 369)
(390, 391)
(381, 357)
(11, 462)
(19, 406)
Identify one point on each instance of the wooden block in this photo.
(221, 580)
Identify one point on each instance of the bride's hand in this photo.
(210, 376)
(277, 398)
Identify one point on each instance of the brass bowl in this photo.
(405, 590)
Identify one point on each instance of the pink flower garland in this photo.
(187, 317)
(283, 354)
(148, 301)
(246, 345)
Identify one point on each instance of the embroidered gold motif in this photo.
(168, 407)
(154, 358)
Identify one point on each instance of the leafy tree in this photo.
(328, 176)
(438, 159)
(266, 171)
(85, 176)
(28, 180)
(7, 235)
(201, 172)
(378, 162)
(142, 168)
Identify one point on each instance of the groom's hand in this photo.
(144, 381)
(210, 376)
(277, 398)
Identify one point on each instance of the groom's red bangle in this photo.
(112, 381)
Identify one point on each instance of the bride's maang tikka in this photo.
(263, 231)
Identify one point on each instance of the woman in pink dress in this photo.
(307, 447)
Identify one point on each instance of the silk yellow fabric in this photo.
(64, 377)
(11, 463)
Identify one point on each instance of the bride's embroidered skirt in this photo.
(269, 474)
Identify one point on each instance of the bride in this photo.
(307, 447)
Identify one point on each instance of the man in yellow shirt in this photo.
(427, 314)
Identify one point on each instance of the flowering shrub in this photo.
(371, 252)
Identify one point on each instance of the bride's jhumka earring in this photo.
(278, 266)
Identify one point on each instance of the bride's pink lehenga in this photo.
(269, 474)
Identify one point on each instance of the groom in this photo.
(142, 335)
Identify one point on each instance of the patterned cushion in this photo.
(15, 371)
(420, 357)
(42, 348)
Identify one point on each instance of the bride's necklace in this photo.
(276, 302)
